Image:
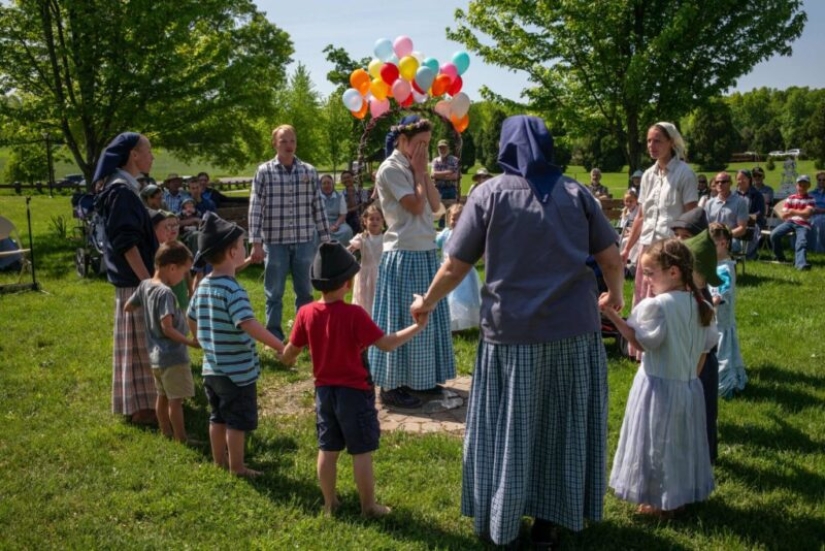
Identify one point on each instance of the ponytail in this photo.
(705, 309)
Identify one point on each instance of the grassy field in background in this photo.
(73, 476)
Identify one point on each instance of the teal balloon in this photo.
(383, 49)
(461, 60)
(424, 77)
(432, 63)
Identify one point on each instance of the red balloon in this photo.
(407, 102)
(417, 88)
(389, 73)
(455, 87)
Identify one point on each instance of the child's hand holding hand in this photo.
(421, 319)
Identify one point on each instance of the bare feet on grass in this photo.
(246, 472)
(330, 508)
(651, 511)
(376, 511)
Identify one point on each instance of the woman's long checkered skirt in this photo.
(535, 443)
(133, 387)
(428, 358)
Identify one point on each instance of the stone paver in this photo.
(445, 413)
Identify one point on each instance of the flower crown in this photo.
(411, 127)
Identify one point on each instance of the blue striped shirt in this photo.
(219, 307)
(285, 205)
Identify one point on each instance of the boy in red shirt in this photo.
(338, 335)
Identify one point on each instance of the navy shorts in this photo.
(231, 405)
(346, 417)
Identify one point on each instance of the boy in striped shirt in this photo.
(222, 319)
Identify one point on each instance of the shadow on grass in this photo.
(783, 474)
(781, 437)
(752, 280)
(608, 535)
(772, 384)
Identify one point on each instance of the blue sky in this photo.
(355, 25)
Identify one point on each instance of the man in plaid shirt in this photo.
(286, 218)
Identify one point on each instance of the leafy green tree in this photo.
(815, 147)
(468, 152)
(299, 105)
(492, 134)
(624, 64)
(711, 136)
(197, 76)
(337, 136)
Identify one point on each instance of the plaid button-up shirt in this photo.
(285, 205)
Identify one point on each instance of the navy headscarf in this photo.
(115, 155)
(526, 150)
(392, 137)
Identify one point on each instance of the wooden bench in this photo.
(237, 213)
(612, 208)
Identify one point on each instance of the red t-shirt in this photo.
(336, 333)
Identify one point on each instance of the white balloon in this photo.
(460, 104)
(443, 108)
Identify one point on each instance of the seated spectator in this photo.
(818, 219)
(756, 212)
(796, 213)
(336, 208)
(202, 204)
(173, 196)
(635, 182)
(596, 188)
(702, 186)
(763, 188)
(479, 178)
(713, 189)
(152, 197)
(728, 208)
(629, 212)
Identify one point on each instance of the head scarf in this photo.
(115, 155)
(526, 149)
(676, 138)
(392, 135)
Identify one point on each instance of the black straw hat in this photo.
(333, 266)
(695, 221)
(215, 234)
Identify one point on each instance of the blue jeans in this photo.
(281, 260)
(783, 229)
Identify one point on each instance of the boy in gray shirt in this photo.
(166, 329)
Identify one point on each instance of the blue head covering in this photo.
(392, 135)
(526, 150)
(115, 155)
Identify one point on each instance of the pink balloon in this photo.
(401, 90)
(379, 107)
(450, 70)
(402, 46)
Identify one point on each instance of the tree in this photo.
(337, 132)
(624, 64)
(492, 134)
(815, 148)
(196, 76)
(468, 152)
(713, 138)
(299, 105)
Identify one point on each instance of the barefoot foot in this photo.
(246, 472)
(376, 511)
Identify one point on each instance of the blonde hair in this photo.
(282, 128)
(675, 137)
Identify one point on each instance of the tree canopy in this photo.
(194, 75)
(624, 64)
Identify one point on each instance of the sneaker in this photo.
(399, 398)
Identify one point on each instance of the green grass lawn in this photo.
(75, 477)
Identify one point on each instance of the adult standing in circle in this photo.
(535, 441)
(129, 251)
(409, 261)
(667, 191)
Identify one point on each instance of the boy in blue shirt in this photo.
(221, 317)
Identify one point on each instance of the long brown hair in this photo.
(672, 252)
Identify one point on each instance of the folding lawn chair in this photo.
(13, 250)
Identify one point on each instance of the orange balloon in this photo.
(460, 124)
(361, 113)
(360, 80)
(440, 85)
(379, 89)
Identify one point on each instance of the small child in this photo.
(732, 375)
(629, 212)
(167, 228)
(465, 300)
(166, 336)
(338, 335)
(662, 461)
(371, 245)
(221, 317)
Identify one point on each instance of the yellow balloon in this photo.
(407, 67)
(379, 89)
(374, 68)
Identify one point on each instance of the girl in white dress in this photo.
(370, 243)
(465, 300)
(662, 460)
(629, 212)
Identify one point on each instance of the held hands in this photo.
(257, 253)
(419, 311)
(610, 305)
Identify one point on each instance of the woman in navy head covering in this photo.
(408, 198)
(535, 441)
(129, 251)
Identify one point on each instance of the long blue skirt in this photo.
(535, 443)
(428, 358)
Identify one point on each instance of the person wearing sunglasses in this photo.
(728, 208)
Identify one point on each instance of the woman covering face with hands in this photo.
(408, 198)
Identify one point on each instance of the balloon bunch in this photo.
(405, 75)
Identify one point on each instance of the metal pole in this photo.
(35, 286)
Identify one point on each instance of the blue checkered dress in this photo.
(428, 358)
(535, 443)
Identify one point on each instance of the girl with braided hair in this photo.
(662, 461)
